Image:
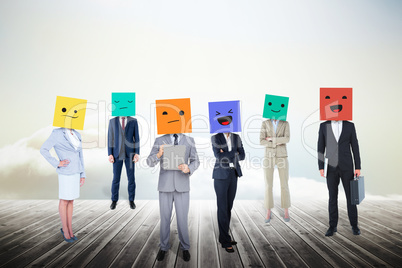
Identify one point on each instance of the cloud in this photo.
(25, 174)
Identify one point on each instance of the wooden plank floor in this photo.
(30, 236)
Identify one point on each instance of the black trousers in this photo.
(225, 190)
(334, 175)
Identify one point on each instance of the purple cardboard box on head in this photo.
(224, 116)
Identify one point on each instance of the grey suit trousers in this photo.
(181, 203)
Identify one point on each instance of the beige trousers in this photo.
(283, 170)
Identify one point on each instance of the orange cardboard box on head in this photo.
(173, 116)
(336, 104)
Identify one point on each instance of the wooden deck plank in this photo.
(193, 223)
(116, 244)
(314, 241)
(277, 253)
(308, 254)
(354, 243)
(316, 228)
(41, 244)
(127, 238)
(93, 243)
(371, 242)
(246, 246)
(226, 259)
(131, 250)
(207, 249)
(47, 224)
(16, 206)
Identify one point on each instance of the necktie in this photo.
(176, 142)
(122, 124)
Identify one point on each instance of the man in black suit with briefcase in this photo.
(337, 140)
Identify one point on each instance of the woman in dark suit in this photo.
(228, 150)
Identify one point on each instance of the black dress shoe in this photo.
(229, 249)
(356, 230)
(161, 255)
(331, 231)
(113, 205)
(186, 255)
(132, 205)
(233, 242)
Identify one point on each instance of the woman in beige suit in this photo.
(274, 135)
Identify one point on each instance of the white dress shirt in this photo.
(228, 141)
(275, 124)
(75, 141)
(337, 128)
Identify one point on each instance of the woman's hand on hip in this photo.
(64, 163)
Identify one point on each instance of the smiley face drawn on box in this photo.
(69, 113)
(275, 107)
(224, 116)
(123, 103)
(336, 103)
(173, 116)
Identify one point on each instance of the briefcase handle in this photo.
(357, 178)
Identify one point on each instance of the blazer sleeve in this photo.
(194, 161)
(321, 147)
(152, 159)
(47, 146)
(110, 138)
(217, 151)
(263, 135)
(285, 138)
(240, 149)
(355, 148)
(136, 138)
(82, 174)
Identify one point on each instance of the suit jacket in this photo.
(338, 153)
(174, 180)
(281, 137)
(222, 168)
(115, 140)
(64, 150)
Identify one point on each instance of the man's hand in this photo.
(64, 163)
(111, 159)
(136, 158)
(221, 151)
(184, 168)
(322, 173)
(160, 153)
(357, 173)
(268, 138)
(82, 181)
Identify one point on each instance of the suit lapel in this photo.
(279, 127)
(67, 138)
(271, 132)
(330, 133)
(343, 131)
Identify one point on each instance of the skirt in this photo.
(69, 186)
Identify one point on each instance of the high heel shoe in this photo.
(269, 219)
(65, 239)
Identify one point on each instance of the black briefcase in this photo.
(357, 190)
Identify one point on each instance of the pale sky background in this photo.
(207, 51)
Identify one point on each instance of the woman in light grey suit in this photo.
(70, 167)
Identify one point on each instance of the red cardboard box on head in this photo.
(336, 104)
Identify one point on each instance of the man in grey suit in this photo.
(174, 186)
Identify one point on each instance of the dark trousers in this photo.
(225, 194)
(117, 166)
(334, 175)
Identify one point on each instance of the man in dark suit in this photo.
(228, 150)
(123, 146)
(336, 139)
